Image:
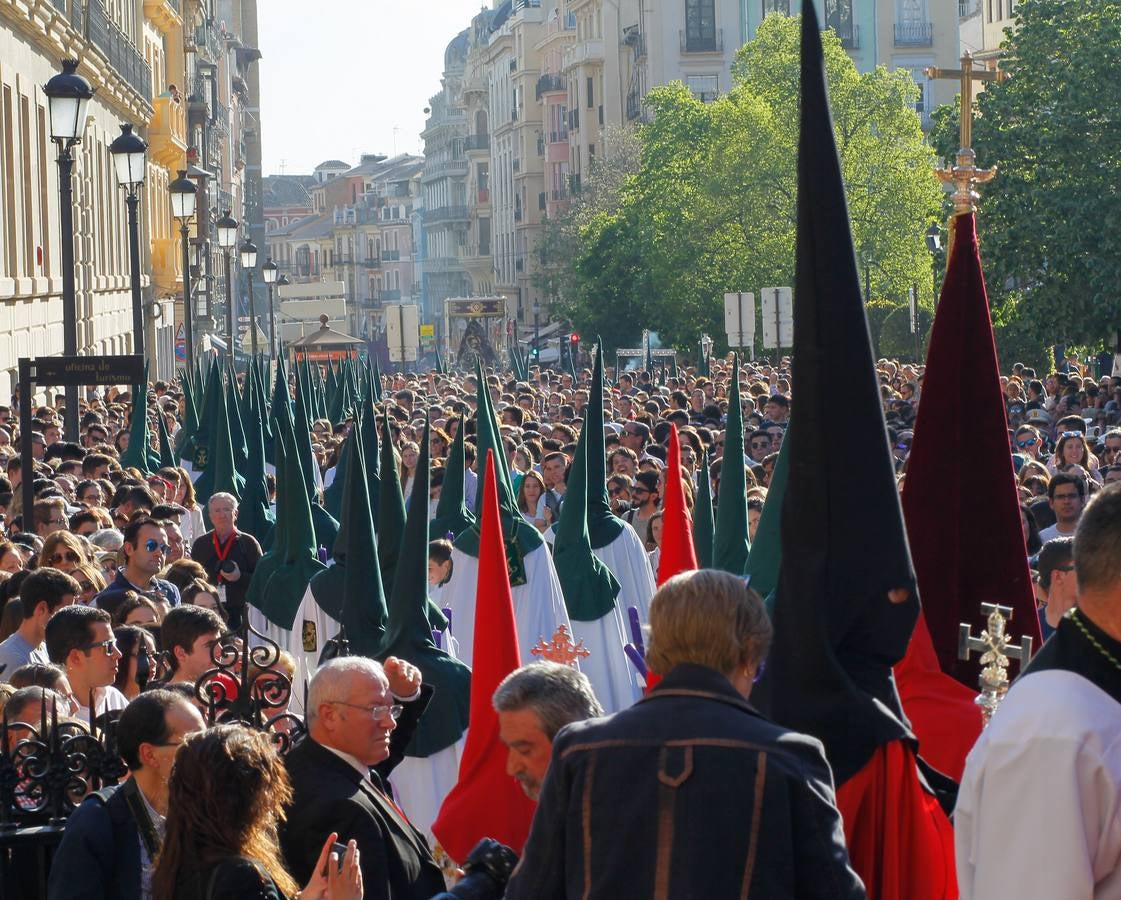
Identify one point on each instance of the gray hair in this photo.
(109, 539)
(558, 694)
(222, 495)
(329, 681)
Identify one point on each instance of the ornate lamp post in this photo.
(269, 272)
(130, 155)
(183, 197)
(282, 281)
(227, 240)
(68, 95)
(248, 253)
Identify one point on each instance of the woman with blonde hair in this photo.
(91, 580)
(226, 798)
(63, 551)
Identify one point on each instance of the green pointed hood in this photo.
(589, 587)
(298, 561)
(515, 363)
(260, 398)
(238, 441)
(391, 507)
(519, 534)
(281, 407)
(255, 515)
(376, 384)
(703, 525)
(221, 473)
(331, 385)
(371, 454)
(273, 555)
(409, 635)
(441, 369)
(452, 514)
(351, 591)
(603, 525)
(729, 542)
(319, 393)
(185, 438)
(766, 550)
(212, 399)
(167, 454)
(333, 495)
(138, 454)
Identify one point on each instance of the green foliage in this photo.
(709, 206)
(1049, 222)
(877, 311)
(896, 340)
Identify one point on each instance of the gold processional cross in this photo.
(964, 174)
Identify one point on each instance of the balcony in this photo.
(702, 43)
(551, 84)
(483, 196)
(445, 214)
(583, 53)
(850, 37)
(449, 168)
(167, 135)
(914, 34)
(387, 296)
(476, 142)
(558, 137)
(442, 264)
(166, 15)
(372, 262)
(119, 50)
(390, 255)
(634, 105)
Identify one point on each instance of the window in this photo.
(838, 16)
(705, 88)
(782, 7)
(700, 25)
(591, 93)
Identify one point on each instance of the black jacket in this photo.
(690, 793)
(330, 795)
(234, 878)
(99, 857)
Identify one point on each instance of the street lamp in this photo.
(934, 245)
(269, 272)
(184, 194)
(248, 253)
(130, 154)
(227, 240)
(68, 94)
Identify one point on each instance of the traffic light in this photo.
(574, 344)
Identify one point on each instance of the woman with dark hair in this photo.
(1031, 530)
(137, 665)
(227, 795)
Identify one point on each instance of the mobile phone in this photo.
(339, 849)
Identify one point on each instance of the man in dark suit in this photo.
(360, 719)
(690, 792)
(112, 837)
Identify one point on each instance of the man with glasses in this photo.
(1111, 447)
(1066, 495)
(1028, 442)
(42, 593)
(360, 718)
(80, 639)
(145, 549)
(49, 516)
(758, 445)
(228, 555)
(111, 840)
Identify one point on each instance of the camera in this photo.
(488, 868)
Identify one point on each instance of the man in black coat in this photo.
(690, 792)
(360, 719)
(112, 838)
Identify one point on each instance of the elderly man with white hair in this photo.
(228, 555)
(360, 718)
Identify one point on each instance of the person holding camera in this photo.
(228, 555)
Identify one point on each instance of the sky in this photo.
(352, 79)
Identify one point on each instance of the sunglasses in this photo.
(68, 556)
(1030, 442)
(109, 646)
(1068, 434)
(151, 545)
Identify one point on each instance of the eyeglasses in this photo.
(109, 646)
(85, 586)
(377, 711)
(68, 556)
(1030, 442)
(1068, 434)
(152, 544)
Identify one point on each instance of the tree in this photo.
(711, 207)
(1049, 222)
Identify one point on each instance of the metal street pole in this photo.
(69, 293)
(252, 314)
(272, 324)
(229, 312)
(188, 312)
(132, 200)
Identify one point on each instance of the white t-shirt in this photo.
(110, 700)
(1049, 534)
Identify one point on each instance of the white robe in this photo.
(538, 604)
(614, 678)
(1039, 809)
(420, 784)
(307, 660)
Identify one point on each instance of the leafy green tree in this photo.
(1050, 222)
(711, 207)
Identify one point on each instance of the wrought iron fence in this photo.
(119, 50)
